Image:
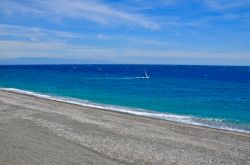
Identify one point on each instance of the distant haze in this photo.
(50, 61)
(36, 61)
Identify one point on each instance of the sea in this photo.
(210, 96)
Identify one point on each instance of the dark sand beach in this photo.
(40, 131)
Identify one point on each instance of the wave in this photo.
(206, 122)
(114, 78)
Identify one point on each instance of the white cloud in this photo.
(9, 7)
(24, 33)
(102, 37)
(226, 5)
(147, 42)
(15, 49)
(78, 9)
(151, 4)
(35, 34)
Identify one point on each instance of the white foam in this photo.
(114, 78)
(211, 123)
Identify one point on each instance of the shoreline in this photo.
(129, 112)
(35, 130)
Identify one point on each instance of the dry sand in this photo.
(40, 131)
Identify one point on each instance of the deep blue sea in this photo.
(213, 96)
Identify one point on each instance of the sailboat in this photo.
(146, 75)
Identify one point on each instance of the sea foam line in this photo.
(213, 123)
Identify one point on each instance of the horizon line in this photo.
(128, 64)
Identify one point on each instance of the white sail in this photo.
(146, 75)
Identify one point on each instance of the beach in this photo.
(35, 130)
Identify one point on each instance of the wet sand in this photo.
(40, 131)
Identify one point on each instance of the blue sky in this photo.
(213, 32)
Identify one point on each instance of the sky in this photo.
(205, 32)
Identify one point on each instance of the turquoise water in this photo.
(215, 96)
